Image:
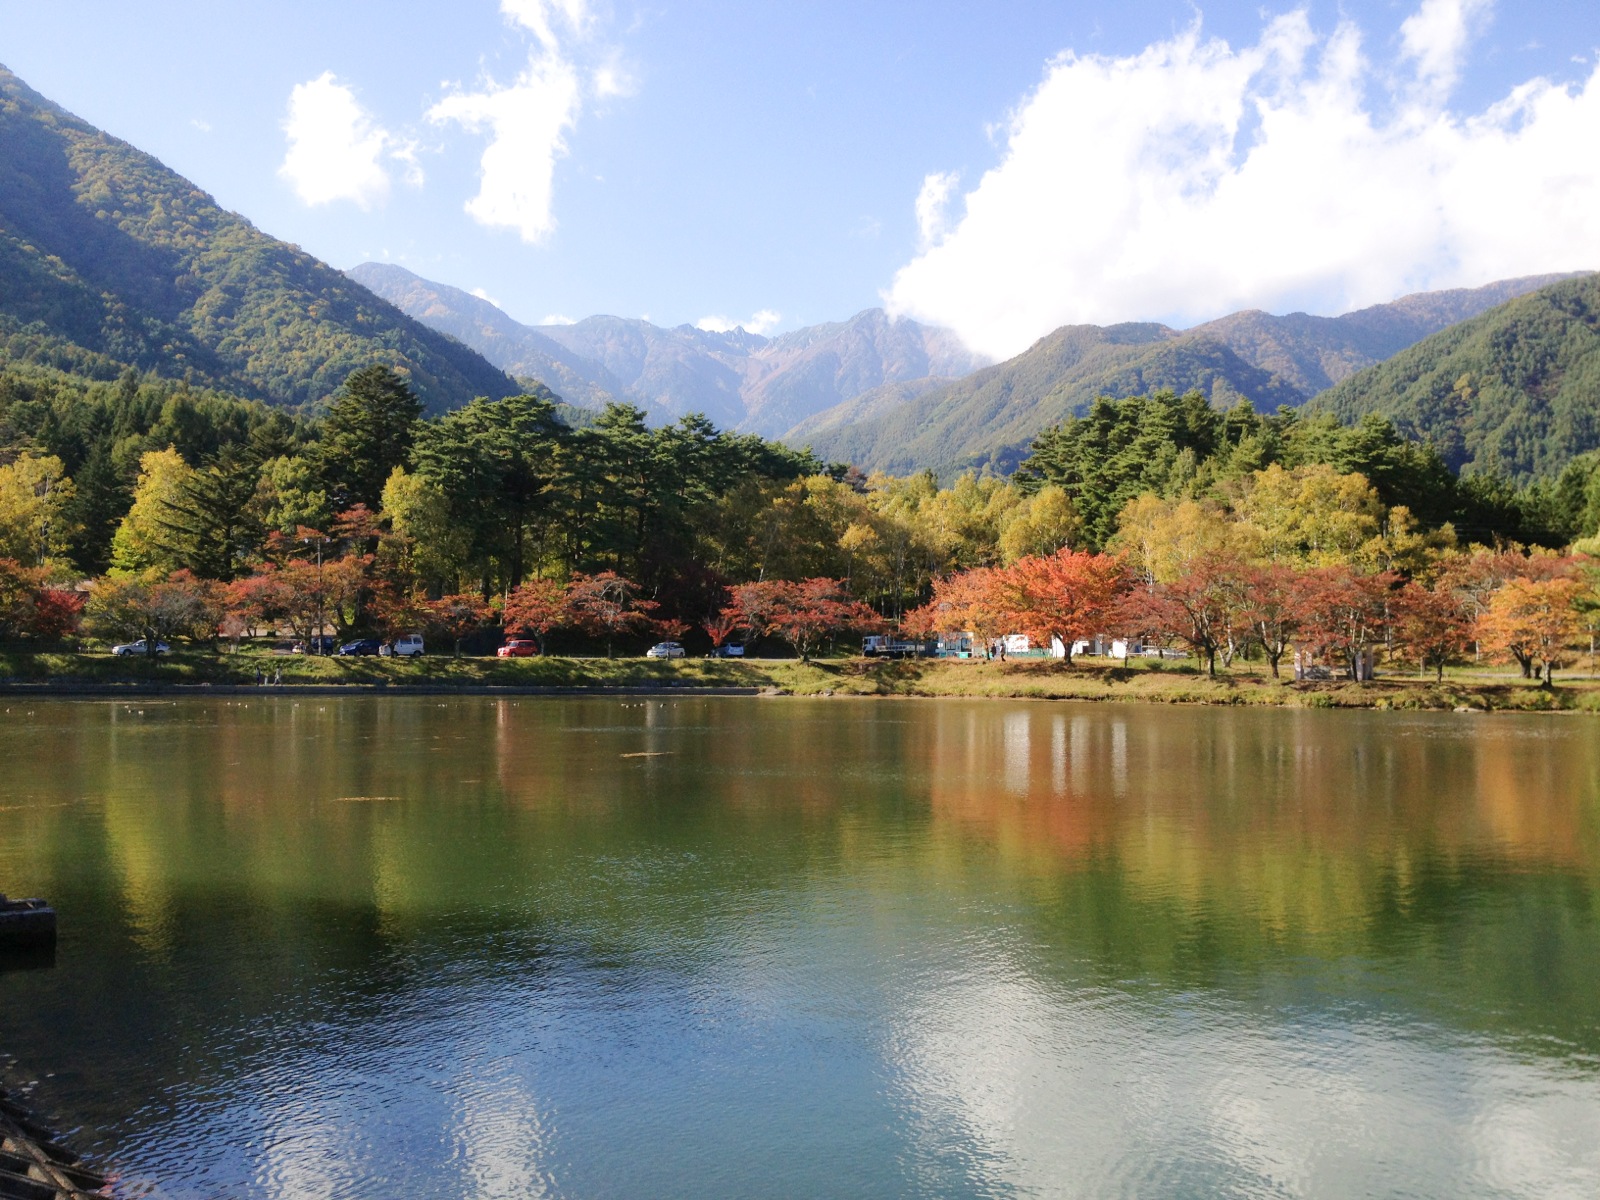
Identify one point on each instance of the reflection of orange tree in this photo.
(1186, 809)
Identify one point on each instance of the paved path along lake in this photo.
(710, 947)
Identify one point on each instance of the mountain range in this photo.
(989, 417)
(738, 379)
(110, 260)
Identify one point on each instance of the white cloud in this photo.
(933, 203)
(557, 319)
(483, 294)
(336, 150)
(539, 17)
(527, 121)
(1194, 178)
(762, 322)
(1435, 38)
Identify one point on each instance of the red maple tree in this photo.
(536, 608)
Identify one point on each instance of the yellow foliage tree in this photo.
(1164, 538)
(147, 539)
(35, 493)
(1311, 515)
(1041, 524)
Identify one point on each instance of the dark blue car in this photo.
(361, 646)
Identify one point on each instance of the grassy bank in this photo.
(1084, 680)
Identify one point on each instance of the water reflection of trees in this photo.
(385, 842)
(1457, 859)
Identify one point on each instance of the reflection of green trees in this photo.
(220, 864)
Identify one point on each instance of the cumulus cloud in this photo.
(1195, 178)
(527, 121)
(762, 322)
(336, 150)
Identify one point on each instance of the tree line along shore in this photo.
(1240, 537)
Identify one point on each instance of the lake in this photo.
(715, 947)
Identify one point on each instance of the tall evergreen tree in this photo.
(367, 434)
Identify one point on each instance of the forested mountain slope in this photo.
(990, 416)
(753, 383)
(1515, 390)
(108, 259)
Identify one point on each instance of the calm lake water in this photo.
(715, 947)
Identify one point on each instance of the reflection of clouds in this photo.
(499, 1134)
(1095, 1094)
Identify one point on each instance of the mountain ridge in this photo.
(988, 418)
(109, 259)
(1513, 391)
(739, 379)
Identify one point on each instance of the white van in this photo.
(405, 646)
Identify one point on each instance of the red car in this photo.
(519, 648)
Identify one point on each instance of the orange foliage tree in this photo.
(810, 612)
(970, 602)
(455, 617)
(1204, 609)
(1063, 596)
(1268, 609)
(1534, 621)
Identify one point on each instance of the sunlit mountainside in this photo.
(989, 417)
(110, 260)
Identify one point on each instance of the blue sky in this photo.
(1000, 168)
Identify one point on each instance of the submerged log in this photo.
(35, 1166)
(26, 923)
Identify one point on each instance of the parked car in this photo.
(728, 650)
(664, 650)
(321, 644)
(406, 646)
(140, 647)
(360, 646)
(519, 648)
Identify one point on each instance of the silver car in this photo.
(664, 650)
(140, 647)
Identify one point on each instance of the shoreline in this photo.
(200, 674)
